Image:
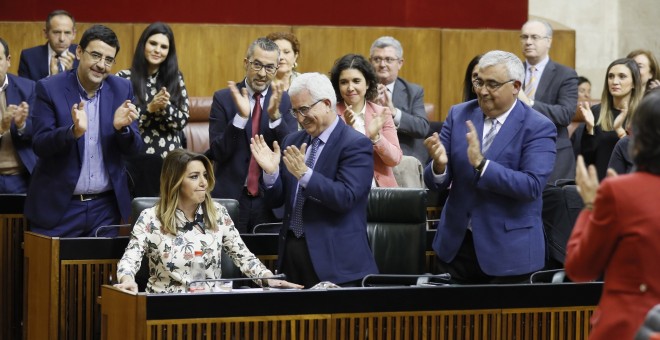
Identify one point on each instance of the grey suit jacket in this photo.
(414, 126)
(556, 98)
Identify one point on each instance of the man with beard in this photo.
(239, 112)
(83, 123)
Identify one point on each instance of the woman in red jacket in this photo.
(617, 235)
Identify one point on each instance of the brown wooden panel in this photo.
(21, 35)
(11, 275)
(41, 286)
(322, 46)
(211, 55)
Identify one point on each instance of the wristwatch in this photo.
(481, 165)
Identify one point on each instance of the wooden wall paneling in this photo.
(21, 35)
(211, 55)
(322, 46)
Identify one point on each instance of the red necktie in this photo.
(254, 170)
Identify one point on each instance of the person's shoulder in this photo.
(117, 82)
(412, 87)
(562, 68)
(30, 51)
(468, 106)
(20, 81)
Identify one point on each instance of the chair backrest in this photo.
(409, 173)
(229, 270)
(267, 228)
(197, 129)
(141, 203)
(396, 226)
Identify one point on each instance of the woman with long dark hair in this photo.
(160, 92)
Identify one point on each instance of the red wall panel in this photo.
(399, 13)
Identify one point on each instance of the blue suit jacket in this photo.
(504, 204)
(58, 168)
(22, 90)
(556, 98)
(230, 146)
(335, 210)
(34, 62)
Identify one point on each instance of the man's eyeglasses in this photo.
(96, 57)
(303, 110)
(534, 37)
(257, 66)
(491, 85)
(387, 60)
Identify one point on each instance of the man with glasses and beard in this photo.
(239, 112)
(83, 123)
(497, 154)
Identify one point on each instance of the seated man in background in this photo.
(323, 181)
(57, 55)
(239, 112)
(16, 156)
(497, 154)
(84, 123)
(405, 100)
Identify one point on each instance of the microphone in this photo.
(421, 279)
(193, 285)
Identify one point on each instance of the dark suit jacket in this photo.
(34, 62)
(335, 210)
(414, 125)
(619, 239)
(504, 204)
(58, 168)
(230, 146)
(556, 98)
(22, 90)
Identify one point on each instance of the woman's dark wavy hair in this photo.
(645, 146)
(357, 62)
(468, 93)
(168, 71)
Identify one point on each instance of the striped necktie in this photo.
(530, 88)
(490, 136)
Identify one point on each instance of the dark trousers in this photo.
(84, 219)
(296, 263)
(465, 269)
(252, 211)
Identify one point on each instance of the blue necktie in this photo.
(296, 219)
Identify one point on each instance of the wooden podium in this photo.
(63, 279)
(12, 225)
(529, 311)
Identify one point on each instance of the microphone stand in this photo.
(193, 283)
(422, 279)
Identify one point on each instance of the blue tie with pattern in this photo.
(296, 219)
(490, 136)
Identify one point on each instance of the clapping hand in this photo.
(437, 152)
(275, 100)
(268, 160)
(125, 115)
(160, 101)
(241, 99)
(349, 115)
(375, 125)
(294, 160)
(588, 117)
(79, 117)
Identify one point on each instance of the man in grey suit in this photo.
(405, 100)
(551, 89)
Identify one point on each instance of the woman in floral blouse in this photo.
(160, 93)
(183, 221)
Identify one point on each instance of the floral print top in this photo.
(170, 256)
(161, 130)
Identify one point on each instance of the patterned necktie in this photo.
(490, 136)
(296, 219)
(60, 68)
(530, 88)
(254, 169)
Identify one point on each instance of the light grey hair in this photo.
(318, 85)
(513, 65)
(264, 44)
(548, 27)
(387, 41)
